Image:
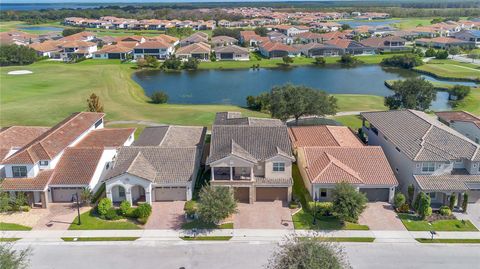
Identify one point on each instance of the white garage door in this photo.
(474, 196)
(65, 194)
(171, 194)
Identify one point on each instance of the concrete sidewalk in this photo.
(238, 234)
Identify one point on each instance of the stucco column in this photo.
(289, 197)
(109, 193)
(251, 174)
(231, 173)
(391, 194)
(128, 194)
(148, 195)
(213, 173)
(43, 199)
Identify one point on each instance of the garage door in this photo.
(271, 194)
(474, 196)
(242, 194)
(171, 194)
(64, 194)
(374, 195)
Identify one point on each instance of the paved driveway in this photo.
(263, 215)
(166, 215)
(473, 214)
(59, 216)
(381, 216)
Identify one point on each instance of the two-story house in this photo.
(157, 48)
(251, 155)
(65, 159)
(462, 122)
(427, 154)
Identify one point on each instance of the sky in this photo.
(145, 1)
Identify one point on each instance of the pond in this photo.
(233, 86)
(41, 28)
(372, 23)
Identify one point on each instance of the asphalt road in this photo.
(212, 255)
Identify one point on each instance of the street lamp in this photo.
(315, 209)
(75, 197)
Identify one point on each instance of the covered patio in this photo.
(129, 188)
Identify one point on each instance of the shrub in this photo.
(399, 199)
(293, 204)
(172, 63)
(348, 203)
(152, 62)
(427, 213)
(322, 208)
(4, 202)
(423, 205)
(349, 60)
(24, 208)
(445, 211)
(465, 202)
(191, 64)
(430, 53)
(86, 195)
(459, 91)
(159, 97)
(407, 61)
(405, 208)
(441, 54)
(453, 200)
(125, 207)
(320, 61)
(17, 55)
(215, 204)
(410, 193)
(190, 208)
(143, 211)
(111, 214)
(103, 206)
(287, 60)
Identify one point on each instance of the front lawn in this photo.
(197, 224)
(304, 221)
(414, 223)
(77, 239)
(91, 222)
(13, 227)
(206, 238)
(449, 241)
(299, 190)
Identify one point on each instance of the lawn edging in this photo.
(206, 238)
(448, 241)
(90, 239)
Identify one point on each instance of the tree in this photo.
(311, 253)
(94, 103)
(17, 55)
(213, 57)
(412, 93)
(86, 195)
(399, 199)
(261, 31)
(423, 208)
(191, 64)
(473, 56)
(441, 54)
(297, 100)
(172, 63)
(320, 61)
(152, 62)
(346, 27)
(259, 103)
(14, 259)
(348, 203)
(459, 91)
(410, 193)
(430, 52)
(348, 60)
(72, 31)
(287, 60)
(465, 202)
(452, 201)
(231, 32)
(407, 61)
(216, 204)
(103, 206)
(159, 97)
(454, 50)
(141, 63)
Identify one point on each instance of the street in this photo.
(253, 254)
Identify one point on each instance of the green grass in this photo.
(359, 102)
(91, 222)
(449, 69)
(346, 239)
(471, 102)
(77, 239)
(449, 241)
(138, 131)
(9, 239)
(413, 223)
(55, 90)
(299, 189)
(437, 85)
(6, 26)
(352, 121)
(197, 224)
(4, 226)
(304, 221)
(410, 23)
(206, 238)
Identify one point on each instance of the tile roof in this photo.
(446, 182)
(249, 142)
(235, 118)
(18, 137)
(106, 137)
(442, 40)
(450, 116)
(378, 42)
(38, 183)
(200, 47)
(78, 36)
(158, 44)
(421, 137)
(171, 136)
(77, 166)
(323, 136)
(114, 49)
(277, 46)
(356, 165)
(56, 139)
(223, 39)
(232, 49)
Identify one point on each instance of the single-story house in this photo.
(219, 41)
(162, 165)
(200, 51)
(444, 43)
(232, 52)
(319, 50)
(198, 37)
(113, 52)
(386, 44)
(351, 47)
(70, 49)
(469, 35)
(277, 50)
(328, 155)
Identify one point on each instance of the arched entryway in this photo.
(119, 194)
(138, 194)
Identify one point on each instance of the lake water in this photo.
(372, 23)
(233, 86)
(41, 28)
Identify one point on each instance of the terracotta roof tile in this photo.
(323, 136)
(19, 136)
(77, 166)
(106, 137)
(450, 116)
(38, 183)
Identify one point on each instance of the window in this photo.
(433, 195)
(428, 167)
(323, 193)
(19, 171)
(98, 123)
(278, 167)
(121, 192)
(43, 163)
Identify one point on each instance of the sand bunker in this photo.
(20, 72)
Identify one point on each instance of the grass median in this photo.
(4, 226)
(83, 239)
(206, 238)
(448, 241)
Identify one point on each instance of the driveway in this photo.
(263, 215)
(166, 215)
(381, 216)
(473, 214)
(59, 216)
